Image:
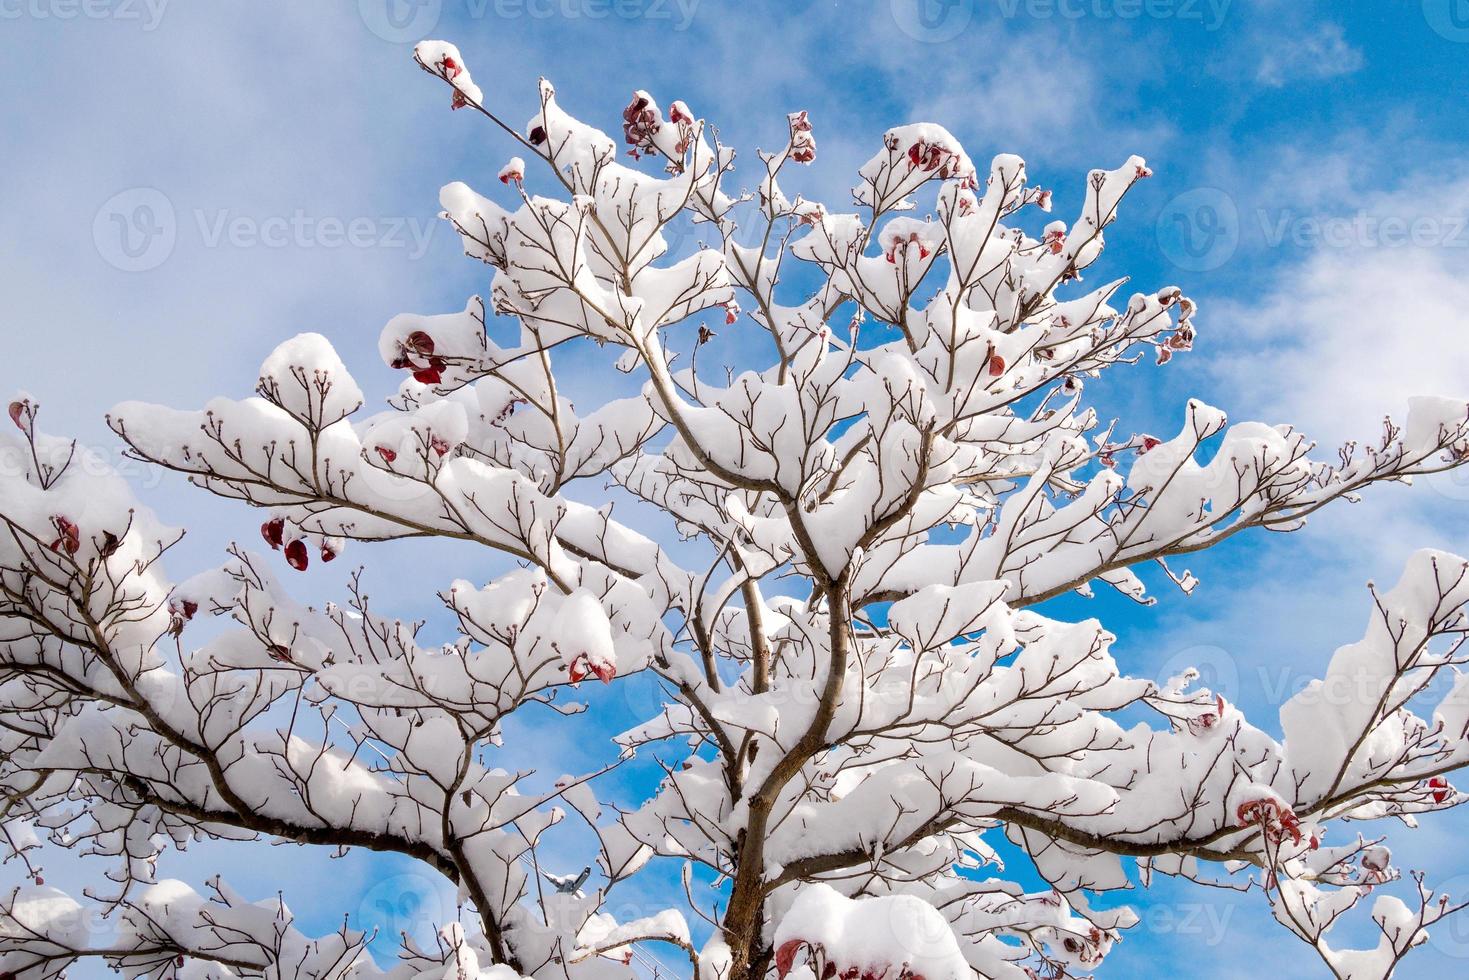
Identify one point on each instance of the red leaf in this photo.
(327, 553)
(997, 365)
(296, 555)
(272, 532)
(68, 537)
(785, 957)
(17, 410)
(432, 374)
(421, 342)
(605, 672)
(387, 454)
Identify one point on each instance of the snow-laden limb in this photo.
(974, 716)
(329, 726)
(170, 930)
(881, 482)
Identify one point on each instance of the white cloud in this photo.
(1376, 312)
(1323, 52)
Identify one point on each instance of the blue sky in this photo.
(190, 183)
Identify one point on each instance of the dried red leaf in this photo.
(785, 957)
(432, 374)
(68, 536)
(296, 555)
(273, 532)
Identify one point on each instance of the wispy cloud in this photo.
(1373, 314)
(1311, 53)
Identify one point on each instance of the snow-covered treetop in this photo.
(879, 491)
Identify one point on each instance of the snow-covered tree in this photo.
(877, 492)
